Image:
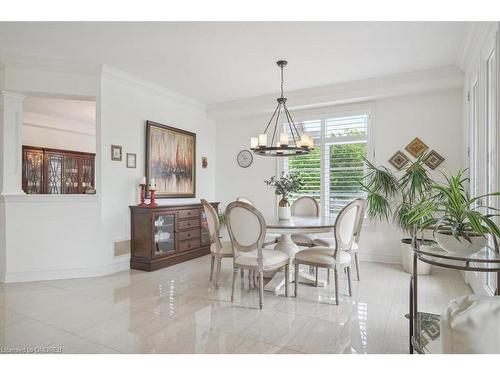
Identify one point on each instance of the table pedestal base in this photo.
(278, 280)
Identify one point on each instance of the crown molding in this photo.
(440, 78)
(47, 64)
(476, 34)
(119, 75)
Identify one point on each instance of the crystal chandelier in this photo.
(281, 144)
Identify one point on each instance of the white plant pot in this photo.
(462, 246)
(407, 257)
(284, 213)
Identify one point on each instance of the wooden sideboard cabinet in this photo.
(52, 171)
(167, 235)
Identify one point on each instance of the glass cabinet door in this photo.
(54, 173)
(33, 172)
(87, 171)
(205, 234)
(70, 173)
(164, 236)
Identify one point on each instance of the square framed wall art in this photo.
(131, 160)
(399, 160)
(416, 147)
(116, 153)
(433, 160)
(170, 160)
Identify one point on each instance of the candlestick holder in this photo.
(143, 195)
(152, 202)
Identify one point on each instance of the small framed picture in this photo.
(131, 160)
(116, 153)
(204, 162)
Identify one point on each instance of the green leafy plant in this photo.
(459, 213)
(405, 198)
(286, 184)
(222, 219)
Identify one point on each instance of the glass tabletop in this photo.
(486, 255)
(304, 222)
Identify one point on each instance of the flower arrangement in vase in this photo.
(284, 185)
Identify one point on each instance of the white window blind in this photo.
(332, 171)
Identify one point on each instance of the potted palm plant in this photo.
(463, 222)
(404, 198)
(285, 185)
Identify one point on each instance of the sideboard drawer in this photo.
(189, 234)
(188, 214)
(188, 224)
(189, 244)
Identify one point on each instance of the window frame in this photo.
(323, 114)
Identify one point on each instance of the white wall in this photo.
(125, 106)
(435, 117)
(59, 123)
(50, 237)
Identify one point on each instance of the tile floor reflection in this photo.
(176, 310)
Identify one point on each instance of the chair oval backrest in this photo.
(212, 221)
(359, 219)
(246, 227)
(345, 226)
(305, 206)
(245, 200)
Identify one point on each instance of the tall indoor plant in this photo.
(284, 185)
(404, 197)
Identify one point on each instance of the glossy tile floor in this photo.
(175, 310)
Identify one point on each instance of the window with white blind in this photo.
(332, 171)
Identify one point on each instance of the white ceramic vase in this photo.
(284, 213)
(462, 246)
(407, 258)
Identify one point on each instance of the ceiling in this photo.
(65, 114)
(222, 61)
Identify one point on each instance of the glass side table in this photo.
(424, 328)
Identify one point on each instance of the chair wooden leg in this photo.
(349, 280)
(235, 271)
(336, 279)
(328, 276)
(212, 261)
(316, 283)
(249, 279)
(261, 289)
(242, 274)
(219, 265)
(357, 265)
(287, 279)
(296, 279)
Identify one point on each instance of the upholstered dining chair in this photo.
(270, 237)
(337, 257)
(304, 206)
(218, 249)
(247, 230)
(330, 242)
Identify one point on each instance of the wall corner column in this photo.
(11, 117)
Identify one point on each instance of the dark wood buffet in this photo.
(168, 234)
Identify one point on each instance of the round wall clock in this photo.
(244, 158)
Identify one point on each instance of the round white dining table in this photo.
(296, 225)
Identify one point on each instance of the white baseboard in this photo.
(120, 263)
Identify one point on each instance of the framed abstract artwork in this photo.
(170, 160)
(399, 160)
(416, 147)
(433, 160)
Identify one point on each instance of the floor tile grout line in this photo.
(58, 328)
